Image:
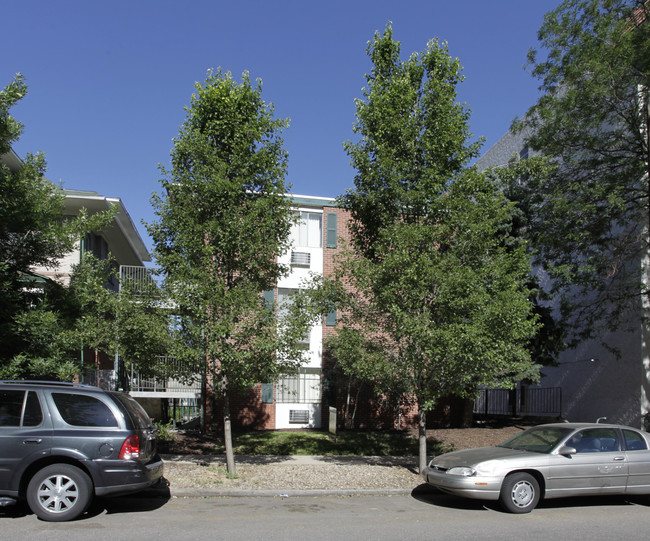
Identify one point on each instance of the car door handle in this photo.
(33, 440)
(619, 458)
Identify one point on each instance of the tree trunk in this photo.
(422, 439)
(227, 431)
(356, 404)
(348, 424)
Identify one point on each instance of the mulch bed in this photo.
(194, 443)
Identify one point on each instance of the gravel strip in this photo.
(286, 476)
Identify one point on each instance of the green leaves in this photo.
(590, 213)
(35, 313)
(413, 133)
(433, 289)
(222, 223)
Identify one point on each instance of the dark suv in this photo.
(62, 443)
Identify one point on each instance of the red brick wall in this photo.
(373, 411)
(247, 410)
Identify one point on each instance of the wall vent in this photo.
(299, 416)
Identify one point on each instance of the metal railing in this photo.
(108, 380)
(165, 381)
(520, 402)
(139, 279)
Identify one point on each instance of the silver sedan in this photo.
(548, 461)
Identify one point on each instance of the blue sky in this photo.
(108, 81)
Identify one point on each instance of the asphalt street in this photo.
(423, 514)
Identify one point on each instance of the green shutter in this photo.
(332, 233)
(330, 318)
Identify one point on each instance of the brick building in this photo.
(303, 400)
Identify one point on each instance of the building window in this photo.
(96, 245)
(524, 152)
(308, 232)
(285, 299)
(303, 387)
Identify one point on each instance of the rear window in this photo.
(135, 410)
(83, 410)
(634, 441)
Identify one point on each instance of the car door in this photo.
(599, 465)
(25, 434)
(638, 458)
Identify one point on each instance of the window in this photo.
(524, 153)
(97, 245)
(595, 440)
(634, 441)
(33, 415)
(285, 299)
(83, 410)
(303, 387)
(15, 405)
(11, 407)
(308, 232)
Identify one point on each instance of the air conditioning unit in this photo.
(299, 416)
(301, 259)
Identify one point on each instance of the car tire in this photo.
(59, 492)
(519, 493)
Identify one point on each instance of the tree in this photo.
(134, 322)
(33, 232)
(223, 222)
(590, 213)
(432, 302)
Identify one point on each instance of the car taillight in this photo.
(130, 448)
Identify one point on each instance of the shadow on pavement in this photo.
(430, 495)
(147, 500)
(140, 502)
(15, 511)
(427, 494)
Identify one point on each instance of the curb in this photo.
(296, 460)
(215, 493)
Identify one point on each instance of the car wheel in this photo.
(59, 492)
(519, 493)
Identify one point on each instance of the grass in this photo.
(323, 443)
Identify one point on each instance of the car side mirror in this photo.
(565, 450)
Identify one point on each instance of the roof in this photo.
(122, 236)
(312, 201)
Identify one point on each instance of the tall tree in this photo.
(223, 221)
(33, 233)
(435, 303)
(591, 212)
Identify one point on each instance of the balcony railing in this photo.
(139, 280)
(140, 385)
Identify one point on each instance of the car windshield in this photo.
(537, 440)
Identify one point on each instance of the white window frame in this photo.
(304, 387)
